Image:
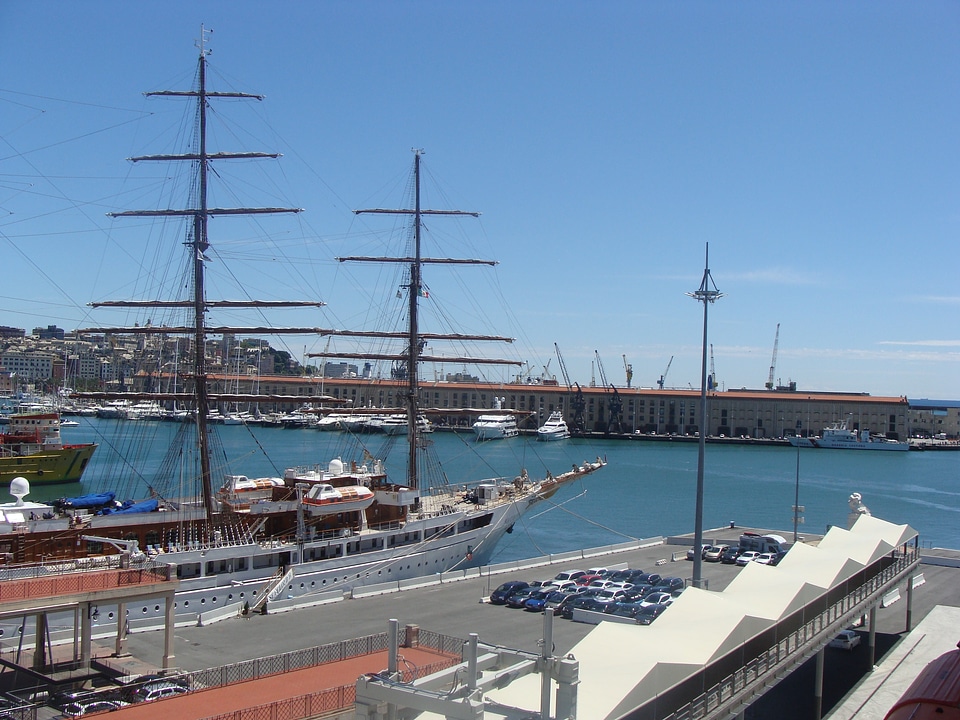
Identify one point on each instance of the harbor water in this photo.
(647, 489)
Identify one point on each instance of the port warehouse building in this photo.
(732, 413)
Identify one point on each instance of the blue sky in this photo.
(813, 145)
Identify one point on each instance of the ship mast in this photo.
(198, 245)
(413, 355)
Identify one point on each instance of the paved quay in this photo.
(454, 609)
(457, 609)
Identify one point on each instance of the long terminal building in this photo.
(732, 413)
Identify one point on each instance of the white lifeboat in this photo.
(324, 499)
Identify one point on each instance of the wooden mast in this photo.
(198, 245)
(413, 355)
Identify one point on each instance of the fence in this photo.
(34, 581)
(310, 657)
(790, 650)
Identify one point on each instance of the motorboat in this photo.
(555, 428)
(839, 436)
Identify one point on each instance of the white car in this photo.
(746, 557)
(765, 558)
(846, 640)
(561, 585)
(657, 598)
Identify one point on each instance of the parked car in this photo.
(600, 584)
(715, 552)
(692, 552)
(585, 603)
(649, 613)
(519, 597)
(553, 600)
(846, 640)
(669, 584)
(766, 558)
(89, 707)
(587, 579)
(561, 585)
(73, 699)
(624, 609)
(646, 579)
(156, 690)
(609, 595)
(500, 595)
(746, 557)
(657, 598)
(569, 575)
(536, 601)
(730, 555)
(601, 571)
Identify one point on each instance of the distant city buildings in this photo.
(49, 360)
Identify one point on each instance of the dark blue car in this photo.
(500, 595)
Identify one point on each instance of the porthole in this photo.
(156, 608)
(203, 601)
(110, 616)
(144, 611)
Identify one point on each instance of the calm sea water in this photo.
(647, 489)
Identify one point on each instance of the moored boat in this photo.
(31, 448)
(839, 436)
(555, 428)
(496, 425)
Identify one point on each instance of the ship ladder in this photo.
(273, 589)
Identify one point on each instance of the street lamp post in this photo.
(707, 294)
(796, 493)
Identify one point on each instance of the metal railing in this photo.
(33, 581)
(790, 650)
(310, 657)
(321, 702)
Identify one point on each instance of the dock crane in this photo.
(663, 378)
(616, 404)
(628, 369)
(578, 404)
(603, 375)
(773, 360)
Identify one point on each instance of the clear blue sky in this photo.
(814, 145)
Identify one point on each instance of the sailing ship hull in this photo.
(48, 467)
(451, 533)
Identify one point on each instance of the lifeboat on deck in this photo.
(325, 499)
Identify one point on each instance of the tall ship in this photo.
(31, 447)
(839, 436)
(332, 526)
